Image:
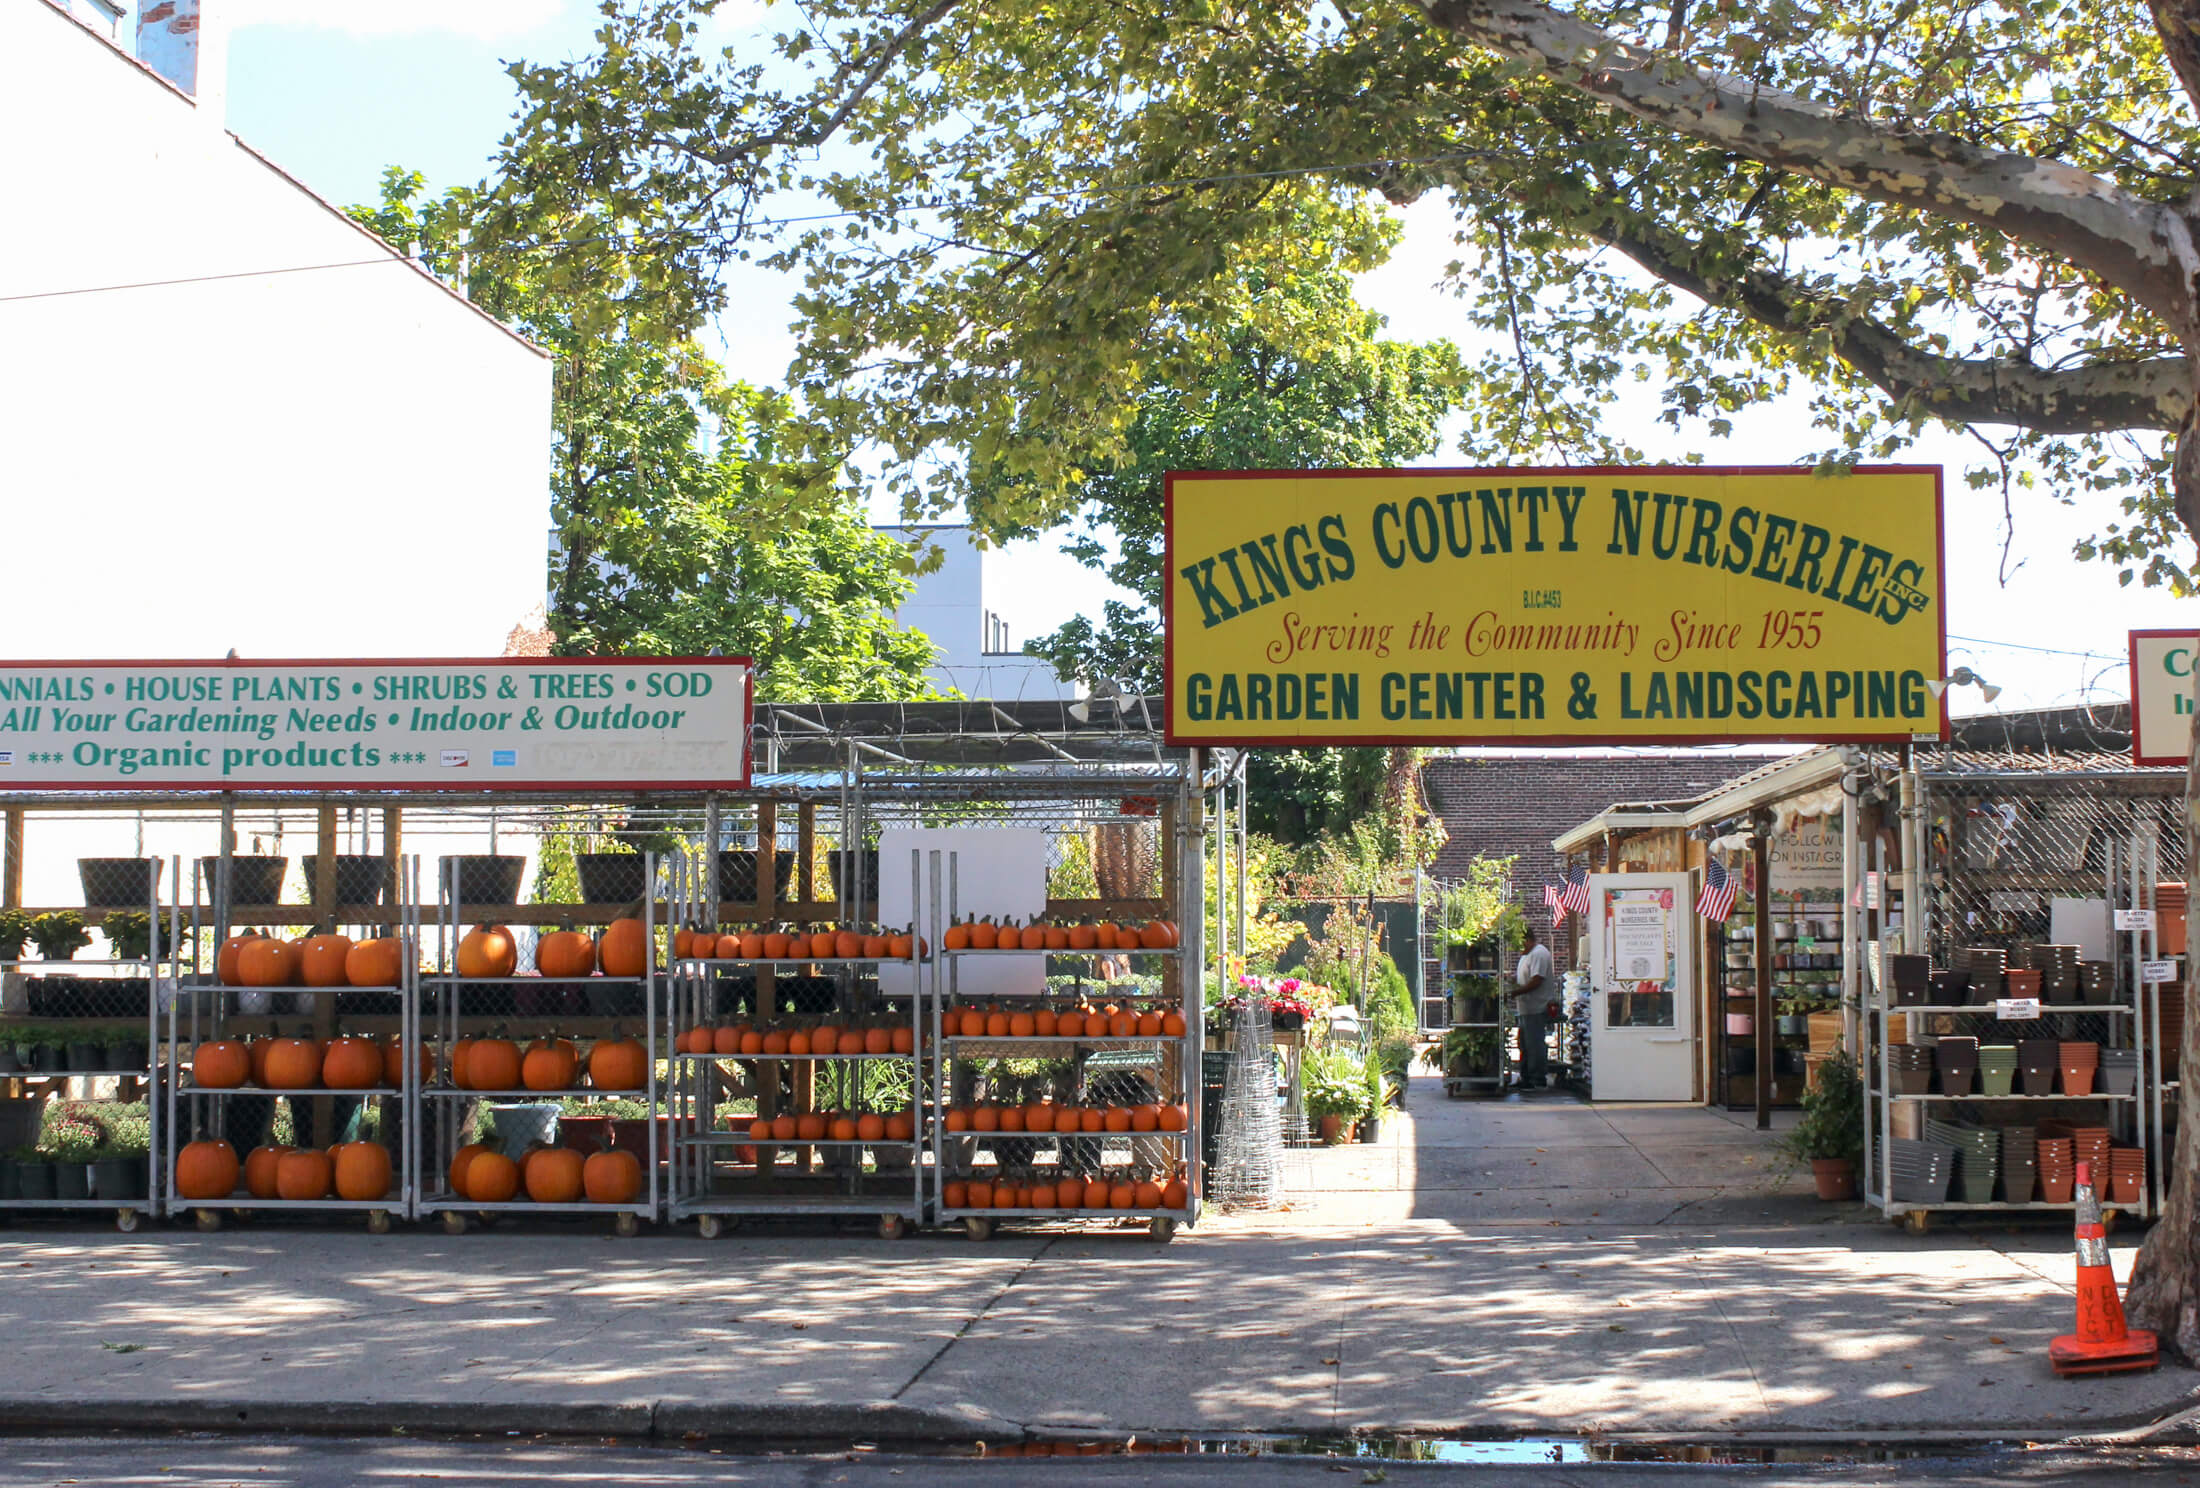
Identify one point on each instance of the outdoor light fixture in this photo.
(1964, 676)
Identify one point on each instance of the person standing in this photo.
(1533, 992)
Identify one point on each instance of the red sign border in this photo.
(10, 786)
(2139, 756)
(1508, 741)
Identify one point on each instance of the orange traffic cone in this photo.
(2102, 1344)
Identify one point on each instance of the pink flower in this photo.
(1288, 985)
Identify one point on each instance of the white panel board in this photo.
(998, 872)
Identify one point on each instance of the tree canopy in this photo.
(676, 528)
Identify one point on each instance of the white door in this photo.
(1642, 1023)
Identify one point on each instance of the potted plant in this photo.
(129, 934)
(1335, 1094)
(117, 883)
(1288, 1014)
(33, 1173)
(1470, 1052)
(70, 1144)
(84, 1051)
(1794, 1015)
(1395, 1053)
(15, 928)
(1371, 1120)
(59, 934)
(126, 1049)
(1830, 1135)
(119, 1167)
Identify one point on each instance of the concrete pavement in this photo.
(1535, 1266)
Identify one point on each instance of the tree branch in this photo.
(870, 72)
(2141, 248)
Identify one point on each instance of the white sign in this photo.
(2157, 971)
(1806, 863)
(1638, 941)
(2135, 919)
(2161, 695)
(2016, 1009)
(497, 723)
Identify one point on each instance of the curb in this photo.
(658, 1421)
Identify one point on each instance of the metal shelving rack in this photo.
(440, 1015)
(706, 1181)
(1501, 996)
(167, 929)
(202, 1009)
(1182, 1148)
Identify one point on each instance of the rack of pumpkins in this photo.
(491, 953)
(1044, 1195)
(351, 1172)
(795, 943)
(502, 1066)
(1048, 1116)
(256, 959)
(1080, 1021)
(351, 1064)
(865, 1038)
(852, 1128)
(975, 934)
(546, 1174)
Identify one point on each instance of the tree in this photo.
(1918, 210)
(676, 530)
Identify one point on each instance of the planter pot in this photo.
(1371, 1129)
(85, 1058)
(589, 1134)
(11, 1186)
(119, 1178)
(485, 878)
(1957, 1080)
(737, 874)
(631, 1134)
(612, 878)
(2124, 1190)
(35, 1180)
(1835, 1177)
(1473, 1009)
(1995, 1082)
(9, 1064)
(2037, 1081)
(2056, 1190)
(72, 1180)
(1740, 1025)
(2077, 1079)
(1790, 1027)
(1741, 1061)
(50, 1059)
(359, 877)
(521, 1124)
(251, 880)
(1334, 1131)
(118, 883)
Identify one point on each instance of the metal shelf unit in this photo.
(449, 1006)
(204, 1009)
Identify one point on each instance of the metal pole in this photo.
(1244, 782)
(1851, 875)
(1760, 849)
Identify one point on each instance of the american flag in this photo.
(1716, 902)
(1571, 896)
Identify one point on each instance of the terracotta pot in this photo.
(1835, 1176)
(2077, 1079)
(2056, 1190)
(1334, 1130)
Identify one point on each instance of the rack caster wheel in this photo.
(709, 1226)
(626, 1226)
(978, 1229)
(2108, 1220)
(891, 1227)
(209, 1220)
(1162, 1228)
(126, 1220)
(454, 1223)
(378, 1221)
(1917, 1221)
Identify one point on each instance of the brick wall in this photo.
(1498, 804)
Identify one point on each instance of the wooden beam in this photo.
(11, 872)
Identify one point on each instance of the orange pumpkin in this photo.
(996, 1024)
(986, 1119)
(491, 1178)
(683, 946)
(751, 945)
(726, 947)
(618, 1064)
(304, 1174)
(1123, 1195)
(461, 1064)
(553, 1175)
(760, 1130)
(870, 1128)
(549, 1064)
(351, 1064)
(984, 935)
(1175, 1118)
(1083, 937)
(1092, 1119)
(487, 951)
(903, 1041)
(900, 1127)
(775, 1042)
(362, 1171)
(1147, 1195)
(1175, 1194)
(1008, 938)
(1172, 1024)
(777, 943)
(1038, 1117)
(1068, 1118)
(972, 1023)
(566, 953)
(877, 1041)
(783, 1128)
(1057, 938)
(611, 1177)
(1118, 1119)
(259, 1171)
(1149, 1022)
(822, 944)
(847, 944)
(625, 950)
(1007, 1196)
(978, 1193)
(901, 947)
(220, 1064)
(842, 1129)
(875, 947)
(1068, 1193)
(810, 1126)
(295, 1064)
(752, 1042)
(393, 1064)
(1012, 1118)
(456, 1177)
(958, 937)
(206, 1170)
(1158, 935)
(493, 1064)
(1145, 1118)
(1122, 1025)
(225, 959)
(1046, 1023)
(268, 962)
(321, 960)
(375, 963)
(1095, 1195)
(958, 1120)
(1070, 1024)
(1022, 1025)
(956, 1195)
(798, 1042)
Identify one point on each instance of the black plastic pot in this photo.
(1371, 1129)
(612, 878)
(737, 874)
(86, 1058)
(72, 1180)
(485, 878)
(119, 1178)
(50, 1059)
(34, 1180)
(118, 883)
(9, 1064)
(10, 1186)
(126, 1058)
(251, 880)
(359, 877)
(1741, 1061)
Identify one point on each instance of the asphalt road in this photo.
(322, 1462)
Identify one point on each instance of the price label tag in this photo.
(2135, 919)
(1871, 891)
(2157, 971)
(2016, 1009)
(1806, 942)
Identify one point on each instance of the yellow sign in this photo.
(1554, 605)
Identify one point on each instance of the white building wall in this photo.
(339, 462)
(980, 648)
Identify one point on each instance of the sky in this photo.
(334, 93)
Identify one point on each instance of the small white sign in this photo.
(453, 758)
(2016, 1009)
(2157, 971)
(1871, 891)
(2135, 919)
(2161, 695)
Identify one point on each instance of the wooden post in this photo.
(767, 860)
(322, 890)
(11, 873)
(1760, 851)
(1165, 847)
(805, 844)
(393, 840)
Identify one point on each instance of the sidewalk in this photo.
(1549, 1267)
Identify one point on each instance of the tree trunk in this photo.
(2165, 1281)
